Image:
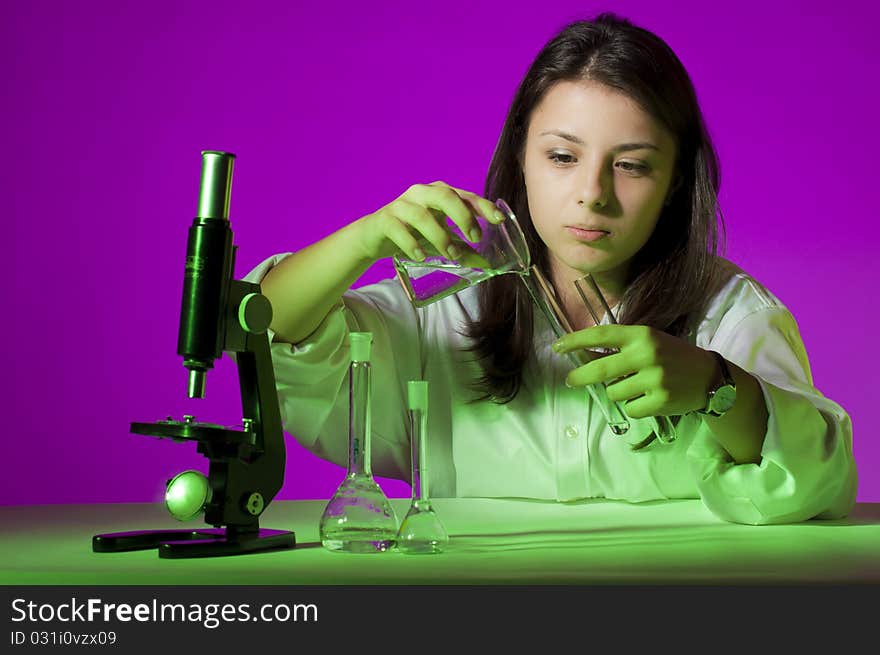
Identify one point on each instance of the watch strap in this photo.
(726, 381)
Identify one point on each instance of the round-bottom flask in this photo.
(359, 518)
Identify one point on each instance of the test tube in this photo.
(662, 425)
(543, 295)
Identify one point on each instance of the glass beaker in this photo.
(359, 518)
(502, 249)
(597, 307)
(421, 532)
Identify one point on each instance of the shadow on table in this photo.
(581, 538)
(862, 514)
(865, 514)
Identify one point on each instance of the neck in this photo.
(611, 284)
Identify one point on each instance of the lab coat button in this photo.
(571, 432)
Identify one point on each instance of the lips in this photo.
(586, 233)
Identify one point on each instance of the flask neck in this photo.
(418, 420)
(359, 419)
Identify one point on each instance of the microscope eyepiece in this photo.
(216, 184)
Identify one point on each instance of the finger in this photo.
(600, 335)
(436, 237)
(398, 233)
(481, 206)
(602, 370)
(462, 207)
(468, 256)
(628, 388)
(586, 356)
(439, 196)
(643, 406)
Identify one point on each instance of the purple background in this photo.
(333, 111)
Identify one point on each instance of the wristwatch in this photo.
(722, 395)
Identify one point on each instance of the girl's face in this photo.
(597, 171)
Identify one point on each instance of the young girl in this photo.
(606, 162)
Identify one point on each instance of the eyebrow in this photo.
(623, 147)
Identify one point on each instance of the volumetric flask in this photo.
(359, 518)
(502, 249)
(598, 308)
(421, 532)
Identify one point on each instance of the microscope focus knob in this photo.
(187, 494)
(255, 504)
(255, 313)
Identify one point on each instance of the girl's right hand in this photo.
(414, 225)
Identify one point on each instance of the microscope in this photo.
(246, 466)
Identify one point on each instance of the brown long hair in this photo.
(672, 276)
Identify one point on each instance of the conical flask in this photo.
(421, 531)
(359, 518)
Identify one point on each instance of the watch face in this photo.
(723, 399)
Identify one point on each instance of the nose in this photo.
(594, 187)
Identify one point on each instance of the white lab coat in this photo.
(552, 442)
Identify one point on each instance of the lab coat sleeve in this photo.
(311, 377)
(807, 469)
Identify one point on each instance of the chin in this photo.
(592, 262)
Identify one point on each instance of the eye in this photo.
(561, 158)
(633, 167)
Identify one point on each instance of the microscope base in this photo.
(207, 542)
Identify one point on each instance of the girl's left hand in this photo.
(653, 373)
